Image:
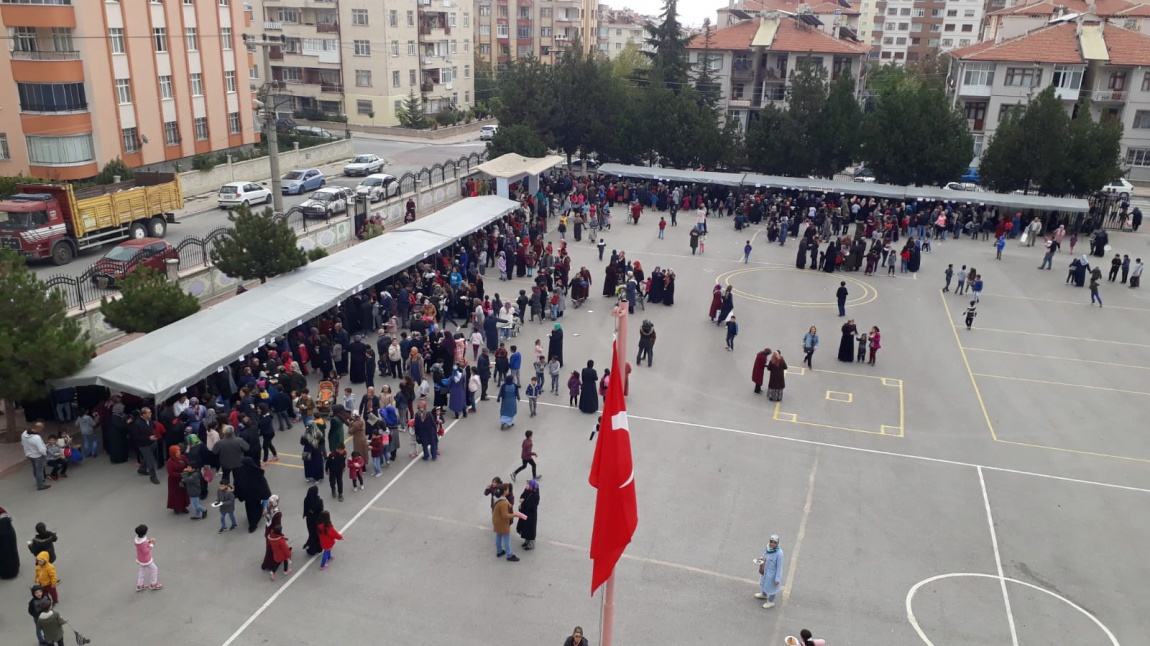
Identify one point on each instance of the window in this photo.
(224, 3)
(395, 78)
(467, 96)
(393, 18)
(191, 39)
(523, 31)
(1138, 157)
(363, 78)
(4, 152)
(484, 30)
(890, 26)
(524, 12)
(171, 133)
(888, 40)
(226, 38)
(902, 26)
(935, 13)
(1146, 81)
(398, 106)
(197, 84)
(254, 72)
(919, 13)
(967, 28)
(62, 39)
(130, 140)
(968, 13)
(737, 91)
(364, 106)
(52, 97)
(1117, 81)
(1067, 77)
(25, 39)
(116, 40)
(362, 47)
(978, 74)
(1005, 111)
(234, 123)
(1022, 77)
(230, 81)
(892, 11)
(501, 30)
(466, 19)
(411, 49)
(964, 42)
(948, 27)
(545, 12)
(1142, 119)
(951, 13)
(466, 71)
(160, 38)
(291, 74)
(166, 87)
(395, 48)
(485, 10)
(201, 128)
(410, 18)
(947, 42)
(123, 91)
(900, 40)
(359, 17)
(411, 78)
(72, 149)
(451, 20)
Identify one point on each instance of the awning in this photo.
(512, 165)
(661, 174)
(173, 357)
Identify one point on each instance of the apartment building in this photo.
(148, 81)
(1079, 57)
(363, 58)
(619, 28)
(837, 18)
(754, 59)
(1028, 15)
(506, 30)
(911, 30)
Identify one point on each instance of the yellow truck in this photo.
(58, 221)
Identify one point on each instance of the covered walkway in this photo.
(868, 189)
(513, 167)
(162, 362)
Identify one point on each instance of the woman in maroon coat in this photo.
(177, 496)
(760, 369)
(716, 303)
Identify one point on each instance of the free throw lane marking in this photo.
(998, 559)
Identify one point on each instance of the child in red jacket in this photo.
(328, 535)
(355, 469)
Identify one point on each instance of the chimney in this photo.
(1091, 7)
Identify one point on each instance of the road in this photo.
(201, 216)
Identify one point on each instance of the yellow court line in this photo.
(1062, 302)
(969, 372)
(1052, 336)
(869, 295)
(1061, 383)
(1095, 454)
(852, 374)
(901, 411)
(1047, 356)
(284, 464)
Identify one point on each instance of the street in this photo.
(201, 216)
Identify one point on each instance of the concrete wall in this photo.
(257, 170)
(438, 133)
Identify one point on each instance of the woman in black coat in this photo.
(589, 393)
(312, 510)
(9, 554)
(555, 344)
(252, 488)
(847, 344)
(529, 506)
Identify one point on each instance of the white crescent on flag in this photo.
(619, 423)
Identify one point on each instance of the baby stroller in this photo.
(325, 397)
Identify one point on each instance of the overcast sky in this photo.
(691, 12)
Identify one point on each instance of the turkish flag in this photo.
(613, 475)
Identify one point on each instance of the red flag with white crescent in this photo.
(613, 475)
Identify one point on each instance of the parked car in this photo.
(128, 256)
(962, 186)
(487, 133)
(863, 174)
(378, 186)
(364, 165)
(235, 194)
(312, 131)
(297, 182)
(327, 202)
(971, 176)
(1119, 188)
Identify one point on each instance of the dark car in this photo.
(129, 256)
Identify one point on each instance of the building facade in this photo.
(506, 30)
(363, 59)
(1082, 58)
(1021, 17)
(905, 31)
(618, 29)
(147, 81)
(754, 59)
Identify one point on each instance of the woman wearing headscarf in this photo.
(655, 293)
(457, 392)
(529, 507)
(273, 521)
(509, 403)
(555, 343)
(716, 301)
(177, 495)
(312, 511)
(9, 553)
(669, 288)
(252, 488)
(314, 451)
(588, 393)
(727, 306)
(776, 382)
(357, 430)
(847, 344)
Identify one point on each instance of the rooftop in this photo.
(778, 33)
(1061, 43)
(1102, 8)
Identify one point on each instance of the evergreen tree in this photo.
(486, 88)
(838, 132)
(258, 246)
(914, 136)
(1034, 152)
(630, 64)
(1094, 151)
(770, 139)
(806, 97)
(667, 49)
(148, 301)
(527, 96)
(38, 341)
(411, 113)
(707, 85)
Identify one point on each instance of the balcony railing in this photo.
(774, 91)
(1109, 96)
(330, 87)
(327, 27)
(45, 56)
(273, 25)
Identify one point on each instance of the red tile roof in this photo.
(819, 7)
(1059, 44)
(790, 37)
(1102, 8)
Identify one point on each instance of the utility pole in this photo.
(269, 115)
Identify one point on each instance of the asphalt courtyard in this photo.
(973, 487)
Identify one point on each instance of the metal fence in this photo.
(84, 291)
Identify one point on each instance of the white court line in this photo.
(998, 560)
(789, 584)
(895, 454)
(343, 530)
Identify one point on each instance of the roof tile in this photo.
(790, 37)
(1053, 44)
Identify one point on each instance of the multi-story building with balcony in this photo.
(904, 31)
(618, 29)
(838, 18)
(143, 80)
(1080, 58)
(363, 58)
(506, 30)
(754, 59)
(1018, 18)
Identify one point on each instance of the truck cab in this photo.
(30, 223)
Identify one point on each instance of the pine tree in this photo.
(38, 341)
(1034, 150)
(914, 136)
(411, 113)
(839, 129)
(148, 301)
(709, 87)
(258, 246)
(667, 49)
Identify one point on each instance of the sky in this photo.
(691, 12)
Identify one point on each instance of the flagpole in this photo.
(607, 612)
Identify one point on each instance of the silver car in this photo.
(327, 202)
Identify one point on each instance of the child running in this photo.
(328, 535)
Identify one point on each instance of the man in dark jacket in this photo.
(646, 343)
(143, 435)
(231, 450)
(483, 369)
(426, 431)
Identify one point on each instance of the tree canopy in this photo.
(667, 49)
(516, 138)
(148, 301)
(257, 246)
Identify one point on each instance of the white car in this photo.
(378, 186)
(1119, 188)
(364, 165)
(328, 201)
(962, 186)
(487, 133)
(234, 194)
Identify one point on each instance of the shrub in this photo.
(204, 163)
(315, 253)
(114, 168)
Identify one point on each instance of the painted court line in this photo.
(998, 560)
(1056, 336)
(1061, 302)
(299, 572)
(1062, 383)
(1054, 358)
(969, 372)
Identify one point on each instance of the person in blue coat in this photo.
(508, 399)
(491, 331)
(771, 565)
(457, 393)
